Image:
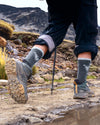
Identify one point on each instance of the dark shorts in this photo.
(83, 16)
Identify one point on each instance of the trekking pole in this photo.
(52, 87)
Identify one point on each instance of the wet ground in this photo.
(85, 116)
(43, 107)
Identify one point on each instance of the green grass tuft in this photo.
(91, 77)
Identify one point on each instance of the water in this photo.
(87, 116)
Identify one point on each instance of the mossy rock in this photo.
(24, 45)
(93, 68)
(6, 29)
(91, 77)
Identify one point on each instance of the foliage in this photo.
(34, 70)
(91, 77)
(59, 80)
(3, 58)
(24, 45)
(93, 68)
(26, 37)
(6, 29)
(25, 33)
(3, 74)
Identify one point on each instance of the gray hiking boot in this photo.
(81, 90)
(18, 73)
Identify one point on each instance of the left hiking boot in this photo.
(18, 73)
(81, 90)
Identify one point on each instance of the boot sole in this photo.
(83, 97)
(79, 96)
(15, 89)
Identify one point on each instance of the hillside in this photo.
(24, 19)
(28, 19)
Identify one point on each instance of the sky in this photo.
(36, 3)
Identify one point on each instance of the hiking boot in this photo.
(18, 73)
(81, 90)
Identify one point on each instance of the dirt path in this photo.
(42, 106)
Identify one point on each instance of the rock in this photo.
(53, 116)
(70, 73)
(96, 61)
(66, 78)
(15, 52)
(43, 65)
(47, 76)
(32, 119)
(98, 70)
(92, 74)
(3, 82)
(39, 79)
(17, 41)
(58, 76)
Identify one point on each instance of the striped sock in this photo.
(83, 68)
(34, 56)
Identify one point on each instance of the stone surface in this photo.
(38, 79)
(3, 82)
(32, 119)
(59, 75)
(47, 76)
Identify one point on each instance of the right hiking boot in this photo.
(18, 73)
(81, 90)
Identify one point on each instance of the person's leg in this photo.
(19, 72)
(86, 49)
(84, 61)
(81, 90)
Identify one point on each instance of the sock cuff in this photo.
(39, 50)
(84, 59)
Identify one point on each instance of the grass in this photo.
(34, 70)
(59, 80)
(93, 68)
(91, 77)
(6, 29)
(60, 87)
(25, 33)
(24, 45)
(3, 57)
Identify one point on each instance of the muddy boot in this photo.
(18, 73)
(81, 90)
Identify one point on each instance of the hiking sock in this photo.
(34, 55)
(83, 68)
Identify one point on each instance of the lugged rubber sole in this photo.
(78, 96)
(15, 89)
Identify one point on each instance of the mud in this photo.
(42, 107)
